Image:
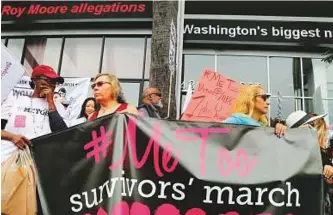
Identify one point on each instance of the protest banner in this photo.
(212, 99)
(11, 72)
(71, 94)
(120, 164)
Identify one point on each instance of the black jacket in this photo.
(152, 112)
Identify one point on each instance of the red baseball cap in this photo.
(47, 71)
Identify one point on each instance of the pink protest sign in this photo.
(212, 99)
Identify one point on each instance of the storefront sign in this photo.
(30, 11)
(258, 31)
(120, 164)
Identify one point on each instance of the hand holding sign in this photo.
(213, 98)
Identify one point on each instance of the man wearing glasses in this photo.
(31, 117)
(151, 103)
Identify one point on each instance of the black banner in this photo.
(31, 11)
(132, 166)
(258, 31)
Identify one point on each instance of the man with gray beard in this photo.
(151, 103)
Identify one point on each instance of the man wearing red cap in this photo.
(34, 116)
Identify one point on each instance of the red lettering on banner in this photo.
(40, 9)
(35, 9)
(90, 8)
(141, 7)
(8, 10)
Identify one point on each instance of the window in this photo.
(194, 65)
(284, 106)
(42, 51)
(330, 112)
(295, 83)
(318, 86)
(148, 58)
(131, 92)
(247, 69)
(16, 47)
(124, 57)
(285, 72)
(146, 84)
(81, 57)
(318, 77)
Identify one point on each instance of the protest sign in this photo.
(11, 72)
(212, 99)
(188, 96)
(71, 94)
(120, 164)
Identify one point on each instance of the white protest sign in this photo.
(188, 97)
(71, 94)
(11, 72)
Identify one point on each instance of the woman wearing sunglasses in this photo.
(251, 107)
(300, 119)
(106, 89)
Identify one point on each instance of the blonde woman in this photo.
(321, 127)
(106, 89)
(251, 107)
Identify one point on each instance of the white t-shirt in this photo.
(29, 117)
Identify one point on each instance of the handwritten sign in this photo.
(212, 99)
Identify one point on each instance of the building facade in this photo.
(277, 44)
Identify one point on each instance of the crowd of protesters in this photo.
(251, 107)
(43, 114)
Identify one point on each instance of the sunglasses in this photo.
(264, 96)
(99, 84)
(158, 94)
